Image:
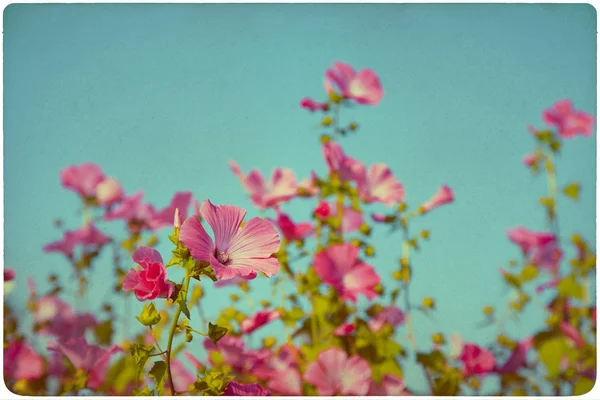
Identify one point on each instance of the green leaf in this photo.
(529, 273)
(216, 332)
(158, 374)
(143, 392)
(572, 191)
(569, 287)
(182, 301)
(551, 353)
(434, 360)
(582, 385)
(447, 384)
(292, 316)
(104, 333)
(149, 315)
(214, 383)
(140, 354)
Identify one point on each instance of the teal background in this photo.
(162, 96)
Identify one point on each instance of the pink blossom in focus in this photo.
(390, 386)
(363, 88)
(517, 358)
(281, 188)
(92, 359)
(338, 162)
(334, 373)
(568, 121)
(344, 329)
(258, 320)
(235, 251)
(83, 179)
(390, 315)
(292, 231)
(476, 360)
(150, 282)
(378, 184)
(109, 192)
(22, 362)
(312, 105)
(240, 389)
(443, 196)
(340, 267)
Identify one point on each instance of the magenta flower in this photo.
(240, 389)
(443, 196)
(568, 121)
(82, 179)
(389, 315)
(344, 329)
(109, 192)
(91, 359)
(281, 188)
(572, 334)
(22, 362)
(292, 231)
(517, 358)
(476, 360)
(258, 320)
(541, 248)
(547, 285)
(281, 372)
(340, 267)
(235, 251)
(89, 237)
(363, 88)
(312, 105)
(378, 184)
(150, 282)
(334, 373)
(390, 385)
(338, 162)
(323, 209)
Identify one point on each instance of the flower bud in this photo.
(428, 302)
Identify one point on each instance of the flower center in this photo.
(223, 257)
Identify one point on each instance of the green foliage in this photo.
(140, 353)
(213, 383)
(104, 332)
(569, 287)
(216, 332)
(551, 353)
(143, 392)
(158, 374)
(149, 315)
(572, 191)
(182, 302)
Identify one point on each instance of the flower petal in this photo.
(195, 238)
(225, 222)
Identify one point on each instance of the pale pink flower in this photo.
(83, 179)
(109, 192)
(288, 382)
(351, 220)
(517, 358)
(568, 121)
(92, 359)
(54, 317)
(541, 248)
(162, 218)
(345, 329)
(292, 231)
(338, 162)
(235, 251)
(89, 237)
(340, 267)
(281, 188)
(281, 372)
(443, 196)
(258, 320)
(241, 389)
(530, 159)
(476, 360)
(235, 280)
(378, 184)
(456, 346)
(363, 88)
(22, 362)
(312, 105)
(235, 354)
(389, 315)
(308, 187)
(150, 282)
(390, 385)
(334, 373)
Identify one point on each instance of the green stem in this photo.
(340, 210)
(195, 331)
(172, 333)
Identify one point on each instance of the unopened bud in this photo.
(177, 221)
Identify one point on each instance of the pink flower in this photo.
(312, 105)
(240, 389)
(529, 160)
(572, 333)
(338, 162)
(151, 281)
(443, 196)
(390, 315)
(109, 192)
(540, 247)
(477, 361)
(334, 373)
(288, 382)
(308, 187)
(182, 378)
(235, 281)
(292, 231)
(379, 185)
(22, 362)
(550, 284)
(351, 220)
(340, 267)
(344, 329)
(390, 386)
(235, 251)
(378, 217)
(323, 209)
(235, 354)
(82, 179)
(258, 320)
(9, 274)
(363, 88)
(91, 359)
(281, 188)
(281, 372)
(89, 237)
(517, 358)
(165, 217)
(568, 121)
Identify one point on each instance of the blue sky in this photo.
(161, 97)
